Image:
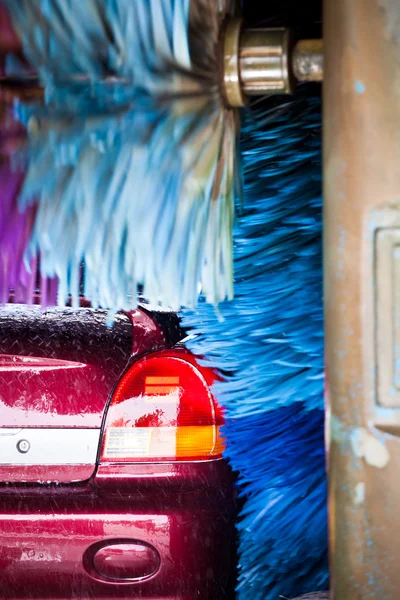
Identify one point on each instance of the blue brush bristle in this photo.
(269, 343)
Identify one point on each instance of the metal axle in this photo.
(255, 62)
(266, 61)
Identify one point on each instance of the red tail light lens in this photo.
(162, 409)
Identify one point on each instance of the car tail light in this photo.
(162, 409)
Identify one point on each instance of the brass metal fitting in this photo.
(265, 61)
(234, 95)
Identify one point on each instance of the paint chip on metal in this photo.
(359, 493)
(367, 446)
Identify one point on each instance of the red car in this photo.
(112, 483)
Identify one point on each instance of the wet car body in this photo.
(73, 523)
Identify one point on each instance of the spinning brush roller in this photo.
(158, 104)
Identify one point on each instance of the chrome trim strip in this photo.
(38, 446)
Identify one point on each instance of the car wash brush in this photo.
(132, 158)
(268, 343)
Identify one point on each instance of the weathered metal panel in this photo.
(362, 303)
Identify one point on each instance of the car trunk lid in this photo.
(57, 370)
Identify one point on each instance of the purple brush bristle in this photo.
(18, 279)
(19, 276)
(15, 231)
